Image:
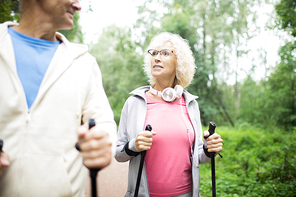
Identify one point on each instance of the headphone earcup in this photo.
(179, 90)
(169, 94)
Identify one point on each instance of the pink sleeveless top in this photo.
(168, 161)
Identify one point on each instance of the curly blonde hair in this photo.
(185, 61)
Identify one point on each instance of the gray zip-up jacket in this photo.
(132, 122)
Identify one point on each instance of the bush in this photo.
(255, 163)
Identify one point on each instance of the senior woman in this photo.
(175, 145)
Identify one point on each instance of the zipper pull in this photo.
(28, 117)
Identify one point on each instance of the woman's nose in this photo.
(157, 58)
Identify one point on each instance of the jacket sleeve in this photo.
(126, 148)
(97, 106)
(202, 158)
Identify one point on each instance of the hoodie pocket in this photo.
(44, 175)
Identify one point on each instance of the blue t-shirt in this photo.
(32, 57)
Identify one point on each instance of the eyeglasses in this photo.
(164, 52)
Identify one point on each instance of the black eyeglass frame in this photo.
(160, 52)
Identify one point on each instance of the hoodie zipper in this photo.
(28, 119)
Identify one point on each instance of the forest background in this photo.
(255, 117)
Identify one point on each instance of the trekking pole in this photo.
(143, 154)
(93, 171)
(1, 146)
(212, 127)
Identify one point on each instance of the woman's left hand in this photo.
(214, 142)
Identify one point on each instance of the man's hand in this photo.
(4, 161)
(214, 142)
(144, 140)
(95, 147)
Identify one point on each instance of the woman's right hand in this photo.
(144, 140)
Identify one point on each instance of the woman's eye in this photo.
(166, 53)
(154, 53)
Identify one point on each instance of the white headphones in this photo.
(169, 94)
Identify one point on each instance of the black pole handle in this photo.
(211, 130)
(212, 127)
(143, 154)
(91, 124)
(147, 128)
(1, 145)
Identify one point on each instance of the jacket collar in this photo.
(4, 28)
(141, 92)
(66, 53)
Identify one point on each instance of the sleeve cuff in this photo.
(208, 154)
(128, 151)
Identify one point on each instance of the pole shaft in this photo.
(93, 177)
(213, 175)
(143, 154)
(93, 187)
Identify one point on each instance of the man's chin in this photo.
(67, 27)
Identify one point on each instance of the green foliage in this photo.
(9, 10)
(282, 89)
(252, 102)
(286, 11)
(121, 65)
(147, 24)
(281, 84)
(255, 163)
(272, 103)
(75, 34)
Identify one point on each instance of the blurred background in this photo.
(245, 79)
